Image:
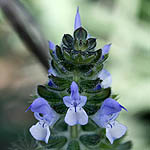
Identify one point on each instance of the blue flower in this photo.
(106, 116)
(46, 117)
(105, 49)
(106, 77)
(75, 102)
(77, 23)
(51, 45)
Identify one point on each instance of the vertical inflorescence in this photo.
(76, 109)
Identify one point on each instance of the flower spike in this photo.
(77, 23)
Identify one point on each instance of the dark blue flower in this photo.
(75, 102)
(106, 117)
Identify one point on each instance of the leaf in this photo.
(68, 41)
(90, 140)
(73, 145)
(84, 68)
(59, 68)
(56, 142)
(91, 126)
(60, 82)
(59, 53)
(98, 96)
(91, 43)
(80, 34)
(59, 107)
(50, 96)
(125, 146)
(93, 71)
(68, 65)
(98, 56)
(60, 125)
(91, 109)
(89, 84)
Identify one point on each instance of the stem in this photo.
(74, 131)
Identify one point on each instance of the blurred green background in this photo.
(124, 23)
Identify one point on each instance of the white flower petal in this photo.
(82, 117)
(71, 117)
(77, 116)
(115, 132)
(40, 132)
(106, 77)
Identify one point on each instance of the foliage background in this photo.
(125, 24)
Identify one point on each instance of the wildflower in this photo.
(77, 23)
(106, 117)
(105, 49)
(51, 45)
(106, 77)
(75, 102)
(46, 117)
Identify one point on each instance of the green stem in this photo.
(74, 131)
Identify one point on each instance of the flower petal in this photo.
(74, 91)
(115, 132)
(40, 105)
(51, 45)
(82, 101)
(71, 117)
(76, 116)
(40, 132)
(77, 23)
(103, 120)
(51, 72)
(110, 106)
(82, 117)
(106, 77)
(67, 101)
(105, 49)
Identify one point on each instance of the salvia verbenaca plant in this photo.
(76, 109)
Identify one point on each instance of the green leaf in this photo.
(60, 125)
(59, 53)
(93, 71)
(84, 68)
(91, 126)
(98, 96)
(60, 82)
(80, 34)
(59, 107)
(50, 96)
(73, 145)
(98, 56)
(57, 67)
(68, 41)
(91, 43)
(67, 55)
(105, 58)
(91, 109)
(125, 146)
(89, 84)
(68, 65)
(90, 140)
(55, 142)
